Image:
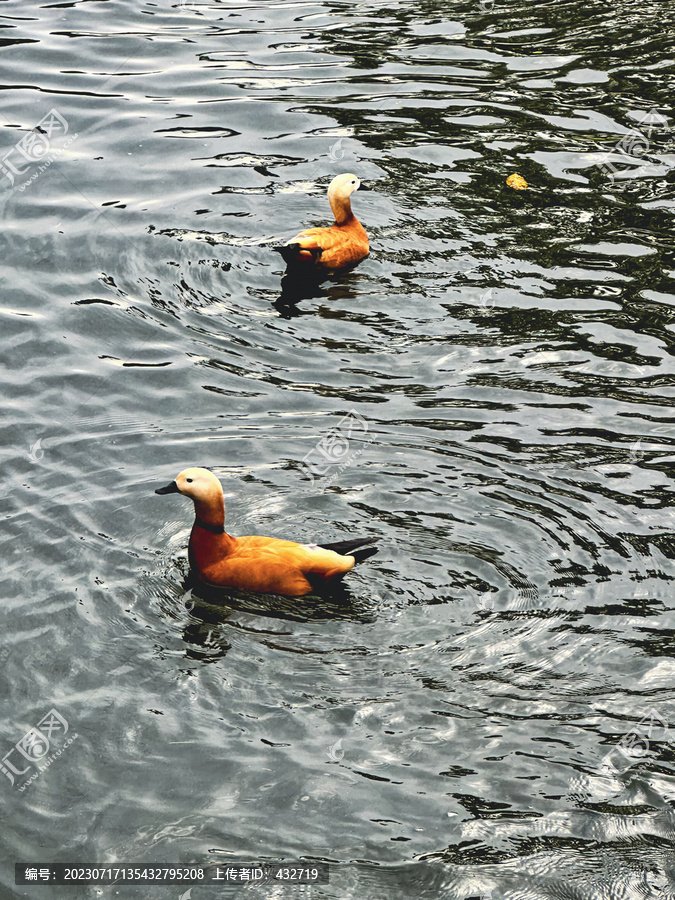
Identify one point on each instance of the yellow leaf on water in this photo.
(517, 182)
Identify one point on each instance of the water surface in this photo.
(446, 727)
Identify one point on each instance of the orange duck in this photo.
(255, 563)
(343, 244)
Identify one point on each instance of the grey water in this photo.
(488, 707)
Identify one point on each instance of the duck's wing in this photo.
(310, 244)
(330, 248)
(318, 238)
(324, 562)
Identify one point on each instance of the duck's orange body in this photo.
(263, 563)
(255, 563)
(338, 246)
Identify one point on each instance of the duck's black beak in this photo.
(364, 187)
(168, 489)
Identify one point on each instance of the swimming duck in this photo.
(343, 244)
(256, 563)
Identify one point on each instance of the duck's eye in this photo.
(353, 182)
(189, 480)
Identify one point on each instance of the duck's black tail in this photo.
(356, 548)
(288, 251)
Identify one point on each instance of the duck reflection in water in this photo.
(210, 610)
(296, 287)
(213, 606)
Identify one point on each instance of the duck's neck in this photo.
(210, 514)
(341, 207)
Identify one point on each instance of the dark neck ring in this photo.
(214, 529)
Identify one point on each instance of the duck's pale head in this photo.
(199, 485)
(205, 490)
(343, 186)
